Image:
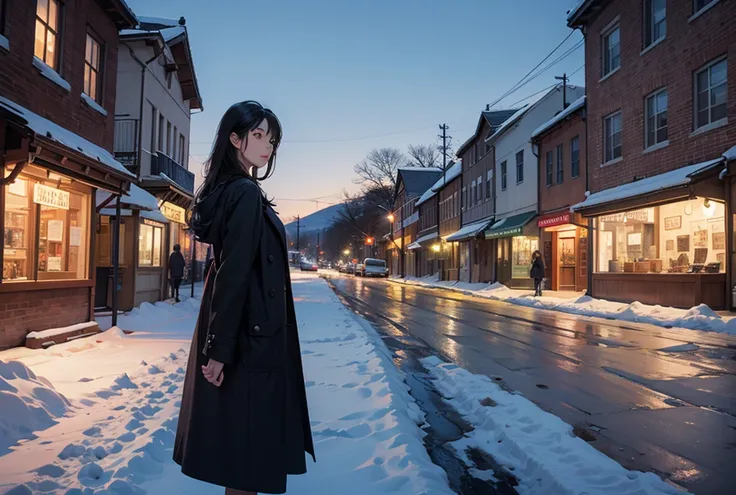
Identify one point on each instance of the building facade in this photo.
(660, 117)
(58, 62)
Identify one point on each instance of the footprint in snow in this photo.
(92, 432)
(127, 437)
(20, 490)
(118, 408)
(154, 370)
(141, 432)
(92, 475)
(156, 394)
(85, 380)
(365, 392)
(71, 451)
(350, 385)
(133, 424)
(172, 389)
(50, 470)
(165, 383)
(309, 384)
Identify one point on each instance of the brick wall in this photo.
(21, 82)
(471, 171)
(25, 312)
(451, 225)
(688, 46)
(571, 190)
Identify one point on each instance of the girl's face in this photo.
(256, 150)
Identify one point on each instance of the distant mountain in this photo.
(319, 220)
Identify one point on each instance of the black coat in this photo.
(177, 264)
(537, 271)
(252, 431)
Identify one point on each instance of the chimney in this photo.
(182, 21)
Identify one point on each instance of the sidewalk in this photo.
(698, 318)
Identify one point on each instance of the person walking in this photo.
(244, 420)
(537, 272)
(176, 271)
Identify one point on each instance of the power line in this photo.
(545, 89)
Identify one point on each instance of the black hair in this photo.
(223, 163)
(177, 247)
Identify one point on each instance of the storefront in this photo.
(663, 241)
(468, 245)
(426, 251)
(516, 239)
(564, 238)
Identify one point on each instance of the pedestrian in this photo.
(244, 422)
(176, 271)
(537, 272)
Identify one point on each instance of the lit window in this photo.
(655, 21)
(656, 118)
(92, 68)
(611, 50)
(47, 29)
(711, 91)
(612, 137)
(149, 244)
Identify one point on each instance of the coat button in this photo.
(256, 328)
(271, 292)
(270, 258)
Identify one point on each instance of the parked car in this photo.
(358, 270)
(308, 266)
(350, 268)
(373, 267)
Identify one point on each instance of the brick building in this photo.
(58, 64)
(560, 149)
(450, 221)
(660, 115)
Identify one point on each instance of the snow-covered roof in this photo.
(158, 20)
(419, 169)
(46, 128)
(172, 32)
(452, 173)
(575, 9)
(574, 107)
(136, 197)
(468, 231)
(155, 215)
(668, 180)
(509, 122)
(730, 154)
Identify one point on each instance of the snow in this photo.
(574, 107)
(420, 169)
(451, 174)
(418, 243)
(116, 434)
(470, 230)
(158, 20)
(53, 332)
(172, 32)
(4, 42)
(50, 74)
(93, 104)
(573, 11)
(137, 196)
(540, 448)
(730, 154)
(668, 180)
(49, 130)
(700, 317)
(509, 122)
(156, 216)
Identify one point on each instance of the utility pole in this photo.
(298, 234)
(444, 128)
(318, 247)
(563, 78)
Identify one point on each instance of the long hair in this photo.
(223, 162)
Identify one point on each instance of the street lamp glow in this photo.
(346, 252)
(436, 248)
(391, 217)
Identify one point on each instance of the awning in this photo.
(424, 239)
(509, 227)
(469, 231)
(136, 199)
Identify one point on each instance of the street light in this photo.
(346, 252)
(391, 218)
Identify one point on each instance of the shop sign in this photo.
(152, 223)
(510, 232)
(173, 213)
(48, 196)
(552, 221)
(638, 215)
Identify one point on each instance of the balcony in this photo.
(125, 146)
(163, 164)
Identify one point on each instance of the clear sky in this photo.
(346, 76)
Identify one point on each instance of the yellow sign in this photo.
(48, 196)
(173, 213)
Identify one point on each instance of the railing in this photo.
(125, 146)
(163, 164)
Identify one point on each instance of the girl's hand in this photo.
(213, 372)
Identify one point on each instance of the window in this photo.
(149, 244)
(575, 157)
(47, 32)
(488, 144)
(456, 204)
(560, 165)
(92, 69)
(711, 88)
(479, 185)
(655, 21)
(699, 5)
(656, 118)
(520, 167)
(182, 151)
(549, 169)
(473, 193)
(521, 255)
(153, 128)
(489, 178)
(161, 122)
(612, 137)
(174, 147)
(168, 138)
(464, 199)
(611, 50)
(3, 14)
(169, 77)
(504, 182)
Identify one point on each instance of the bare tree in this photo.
(424, 155)
(379, 167)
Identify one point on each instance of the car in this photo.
(373, 267)
(358, 270)
(308, 266)
(350, 268)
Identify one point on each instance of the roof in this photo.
(576, 15)
(416, 180)
(494, 118)
(137, 199)
(669, 180)
(469, 231)
(578, 104)
(451, 174)
(119, 12)
(47, 129)
(425, 238)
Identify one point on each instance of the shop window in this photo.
(47, 32)
(655, 21)
(711, 91)
(656, 118)
(611, 50)
(612, 137)
(575, 157)
(104, 244)
(560, 166)
(683, 237)
(549, 169)
(149, 244)
(503, 176)
(522, 249)
(93, 68)
(17, 238)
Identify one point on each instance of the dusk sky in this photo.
(345, 77)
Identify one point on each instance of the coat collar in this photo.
(277, 225)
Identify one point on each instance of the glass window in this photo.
(174, 147)
(560, 166)
(464, 199)
(503, 175)
(154, 112)
(549, 169)
(611, 50)
(655, 21)
(699, 5)
(683, 237)
(489, 178)
(182, 152)
(711, 89)
(47, 29)
(520, 167)
(612, 137)
(17, 235)
(656, 118)
(92, 69)
(479, 185)
(161, 122)
(168, 138)
(103, 242)
(150, 244)
(3, 13)
(575, 157)
(473, 193)
(522, 249)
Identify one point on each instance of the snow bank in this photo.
(53, 332)
(697, 318)
(28, 404)
(537, 446)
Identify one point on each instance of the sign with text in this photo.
(554, 220)
(48, 196)
(173, 213)
(636, 215)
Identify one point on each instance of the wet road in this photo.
(654, 399)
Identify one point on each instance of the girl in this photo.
(244, 422)
(537, 272)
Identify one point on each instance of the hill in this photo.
(319, 220)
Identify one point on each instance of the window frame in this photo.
(519, 167)
(560, 165)
(708, 67)
(606, 137)
(605, 50)
(549, 168)
(464, 199)
(57, 62)
(489, 184)
(575, 163)
(650, 23)
(705, 7)
(654, 97)
(504, 175)
(3, 17)
(154, 228)
(99, 71)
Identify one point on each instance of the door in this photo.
(503, 260)
(567, 263)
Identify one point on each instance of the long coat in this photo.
(254, 429)
(537, 270)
